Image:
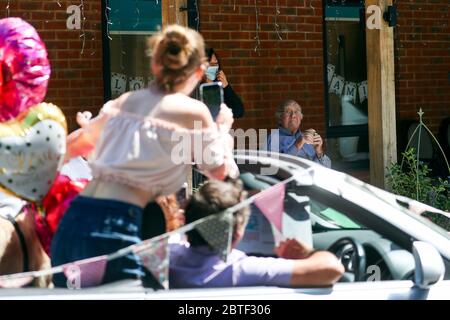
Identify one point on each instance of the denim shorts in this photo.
(93, 227)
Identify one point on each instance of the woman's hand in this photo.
(83, 118)
(222, 78)
(225, 118)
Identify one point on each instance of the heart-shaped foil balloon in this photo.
(32, 150)
(24, 68)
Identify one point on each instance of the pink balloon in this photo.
(24, 68)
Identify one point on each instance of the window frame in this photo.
(341, 131)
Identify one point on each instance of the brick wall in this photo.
(280, 69)
(77, 79)
(287, 68)
(422, 46)
(293, 67)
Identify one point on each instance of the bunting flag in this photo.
(218, 231)
(136, 83)
(330, 72)
(85, 273)
(271, 204)
(118, 83)
(337, 85)
(362, 90)
(155, 257)
(15, 281)
(350, 90)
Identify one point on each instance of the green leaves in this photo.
(412, 179)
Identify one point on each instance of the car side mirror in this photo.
(429, 265)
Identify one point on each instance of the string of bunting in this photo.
(339, 86)
(154, 253)
(120, 82)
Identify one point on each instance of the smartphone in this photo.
(211, 94)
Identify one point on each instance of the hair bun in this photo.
(177, 49)
(173, 48)
(177, 52)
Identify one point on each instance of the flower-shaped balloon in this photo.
(24, 68)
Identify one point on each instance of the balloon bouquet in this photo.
(33, 195)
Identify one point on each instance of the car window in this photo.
(325, 218)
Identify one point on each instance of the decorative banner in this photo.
(136, 83)
(330, 72)
(350, 89)
(362, 90)
(337, 85)
(86, 273)
(271, 204)
(154, 252)
(155, 257)
(118, 83)
(32, 150)
(15, 281)
(217, 232)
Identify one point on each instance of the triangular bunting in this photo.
(85, 273)
(337, 85)
(330, 72)
(118, 83)
(154, 255)
(14, 281)
(217, 231)
(271, 204)
(362, 90)
(350, 90)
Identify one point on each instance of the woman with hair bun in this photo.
(142, 146)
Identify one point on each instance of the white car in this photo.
(389, 251)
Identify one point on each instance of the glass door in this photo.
(346, 83)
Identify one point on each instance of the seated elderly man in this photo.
(289, 138)
(195, 264)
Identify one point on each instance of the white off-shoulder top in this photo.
(151, 154)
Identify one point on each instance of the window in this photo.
(130, 23)
(346, 83)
